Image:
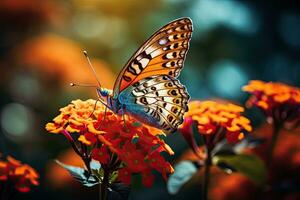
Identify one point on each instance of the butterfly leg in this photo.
(123, 116)
(104, 117)
(103, 102)
(106, 106)
(122, 110)
(93, 109)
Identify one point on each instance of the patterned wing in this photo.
(159, 101)
(162, 54)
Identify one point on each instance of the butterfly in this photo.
(147, 87)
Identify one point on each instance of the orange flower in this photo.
(78, 116)
(62, 58)
(280, 102)
(124, 175)
(135, 159)
(222, 119)
(108, 136)
(101, 154)
(21, 175)
(147, 178)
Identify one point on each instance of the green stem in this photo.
(276, 130)
(206, 174)
(104, 185)
(85, 157)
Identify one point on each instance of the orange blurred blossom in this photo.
(280, 102)
(63, 59)
(22, 176)
(216, 119)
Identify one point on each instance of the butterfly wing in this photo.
(159, 101)
(162, 54)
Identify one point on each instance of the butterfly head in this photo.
(107, 96)
(103, 92)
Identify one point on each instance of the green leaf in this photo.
(249, 165)
(184, 171)
(80, 174)
(113, 176)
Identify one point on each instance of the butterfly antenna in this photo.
(82, 85)
(91, 66)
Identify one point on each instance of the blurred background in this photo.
(41, 43)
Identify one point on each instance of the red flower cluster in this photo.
(280, 102)
(217, 120)
(22, 176)
(121, 143)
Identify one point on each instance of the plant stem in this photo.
(85, 157)
(275, 133)
(104, 185)
(206, 174)
(70, 139)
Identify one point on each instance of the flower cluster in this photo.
(279, 101)
(120, 142)
(22, 176)
(217, 120)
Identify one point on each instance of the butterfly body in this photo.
(147, 87)
(126, 103)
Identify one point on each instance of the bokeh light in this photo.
(16, 120)
(226, 79)
(208, 14)
(25, 87)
